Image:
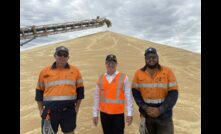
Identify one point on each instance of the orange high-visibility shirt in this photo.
(59, 84)
(154, 89)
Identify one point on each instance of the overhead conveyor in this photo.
(31, 32)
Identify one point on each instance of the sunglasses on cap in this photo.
(62, 54)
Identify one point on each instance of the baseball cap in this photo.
(150, 50)
(61, 49)
(111, 57)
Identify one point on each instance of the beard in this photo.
(152, 66)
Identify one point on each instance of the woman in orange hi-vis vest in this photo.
(113, 91)
(59, 93)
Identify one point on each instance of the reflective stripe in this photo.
(112, 101)
(101, 86)
(79, 81)
(123, 87)
(53, 83)
(41, 84)
(101, 82)
(154, 101)
(172, 84)
(135, 85)
(57, 98)
(118, 86)
(117, 100)
(153, 85)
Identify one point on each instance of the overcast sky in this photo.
(171, 22)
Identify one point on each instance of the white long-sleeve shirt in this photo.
(127, 93)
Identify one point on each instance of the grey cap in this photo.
(61, 49)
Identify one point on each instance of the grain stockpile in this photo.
(88, 54)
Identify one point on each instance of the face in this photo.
(111, 67)
(151, 60)
(61, 58)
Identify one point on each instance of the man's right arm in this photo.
(136, 93)
(39, 100)
(39, 92)
(138, 99)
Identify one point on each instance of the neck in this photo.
(60, 65)
(111, 73)
(151, 71)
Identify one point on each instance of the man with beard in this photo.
(155, 91)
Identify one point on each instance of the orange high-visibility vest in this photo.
(112, 94)
(59, 84)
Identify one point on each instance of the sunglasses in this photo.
(150, 57)
(62, 54)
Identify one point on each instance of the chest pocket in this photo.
(69, 77)
(160, 79)
(141, 80)
(50, 77)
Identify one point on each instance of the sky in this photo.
(175, 23)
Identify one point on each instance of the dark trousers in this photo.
(159, 126)
(112, 123)
(66, 119)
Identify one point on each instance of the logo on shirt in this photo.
(158, 79)
(46, 76)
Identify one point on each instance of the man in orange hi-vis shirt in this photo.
(59, 93)
(155, 91)
(113, 91)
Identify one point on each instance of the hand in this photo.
(153, 111)
(95, 120)
(77, 105)
(76, 109)
(129, 120)
(141, 116)
(40, 112)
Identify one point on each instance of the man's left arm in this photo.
(79, 90)
(77, 105)
(169, 101)
(172, 95)
(168, 104)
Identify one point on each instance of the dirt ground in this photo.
(88, 54)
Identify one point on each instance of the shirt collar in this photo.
(53, 66)
(114, 74)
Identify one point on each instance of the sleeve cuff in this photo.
(39, 95)
(144, 107)
(80, 93)
(130, 113)
(162, 109)
(95, 114)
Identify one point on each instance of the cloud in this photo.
(176, 23)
